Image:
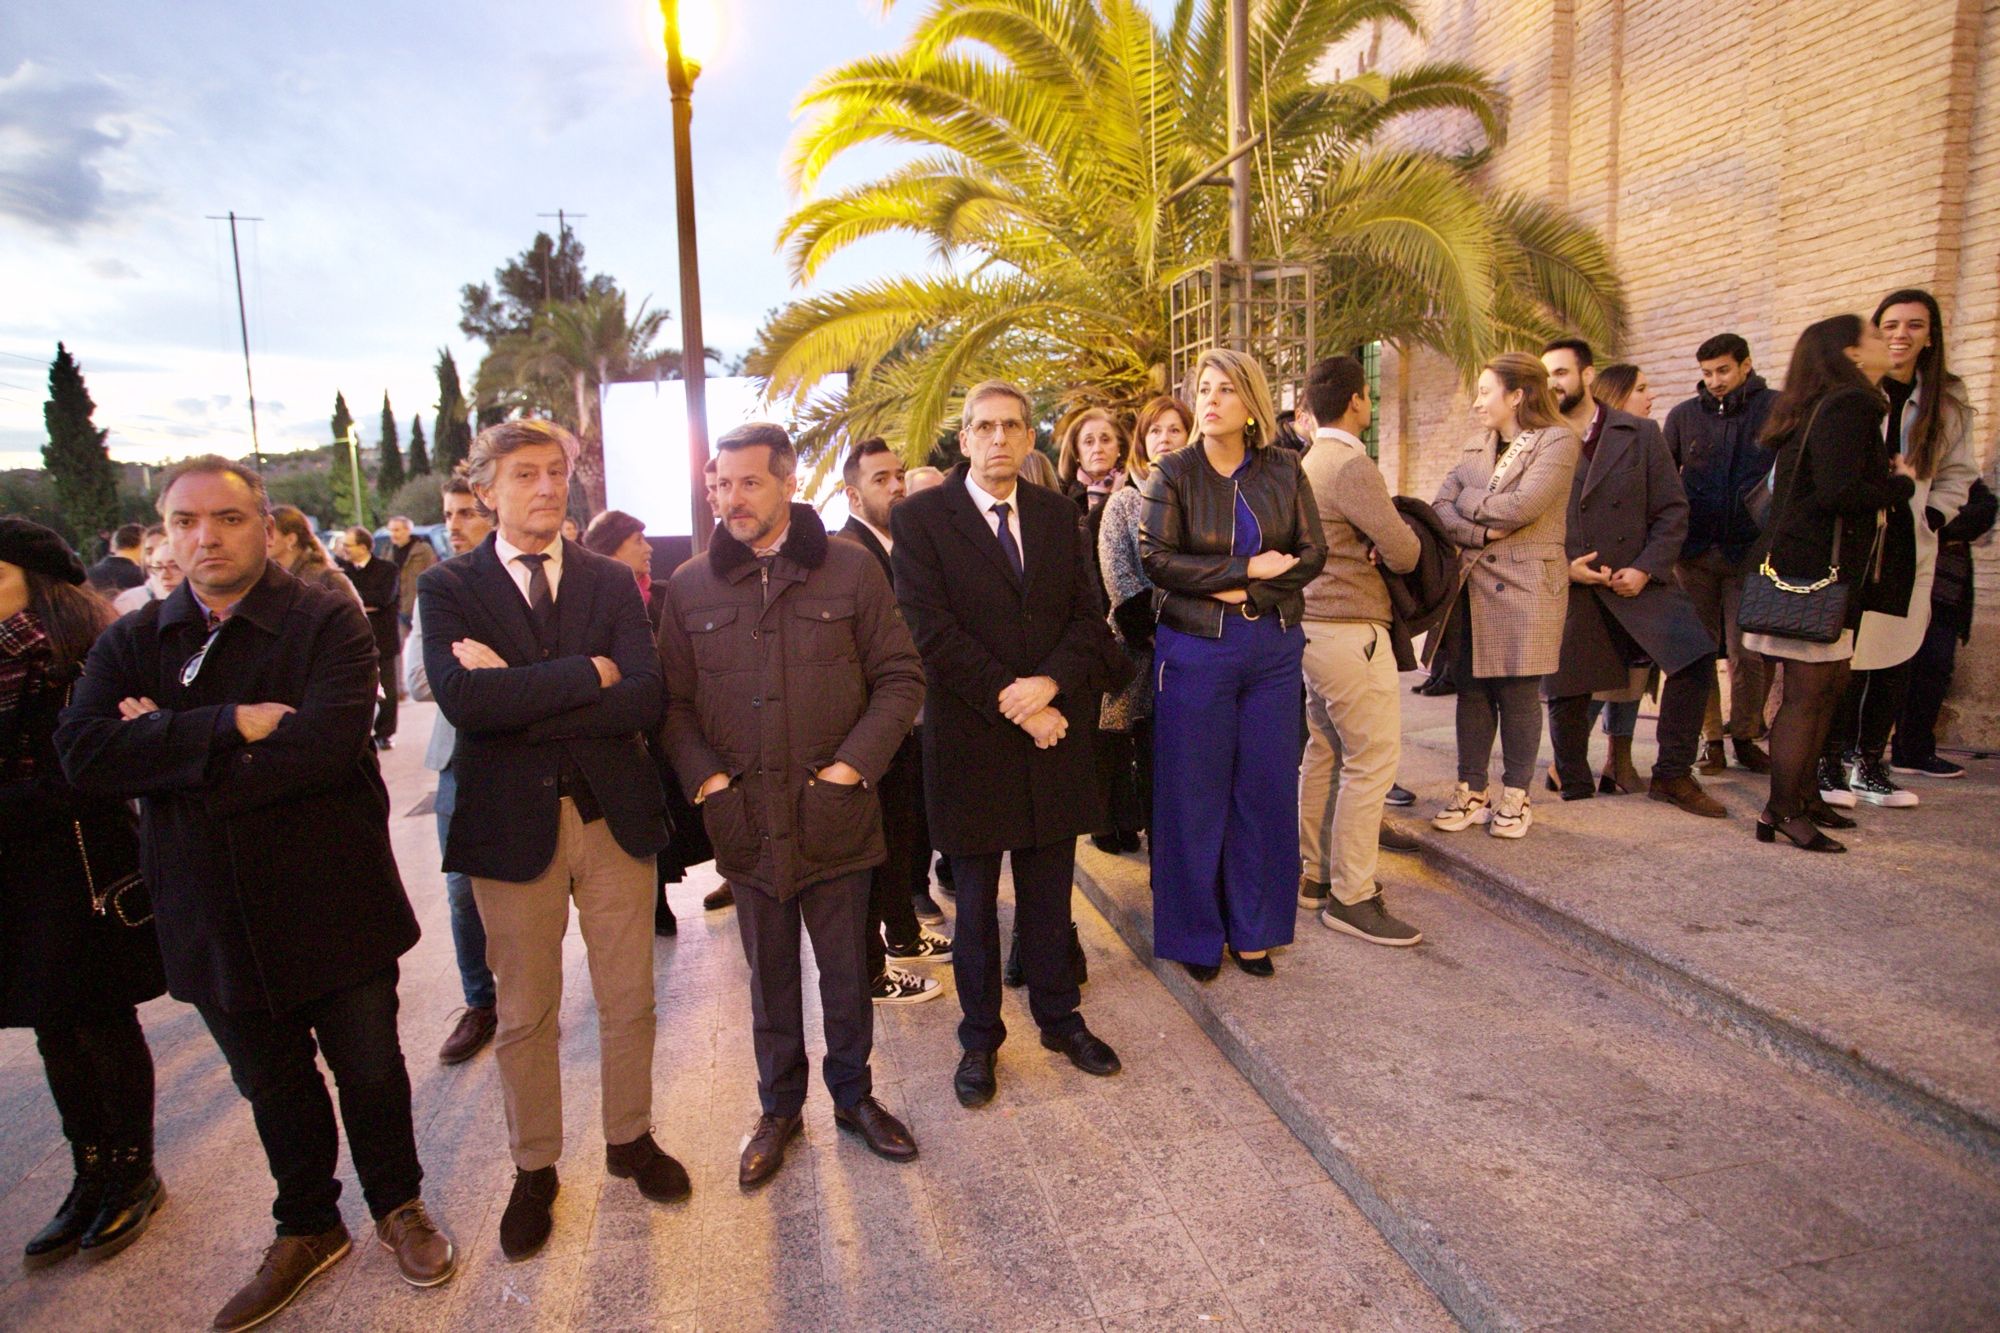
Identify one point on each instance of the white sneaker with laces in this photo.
(1466, 808)
(896, 986)
(1513, 816)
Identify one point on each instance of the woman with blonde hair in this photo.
(1506, 504)
(1037, 468)
(1230, 535)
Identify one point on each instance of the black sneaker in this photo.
(1932, 767)
(1869, 780)
(1400, 795)
(895, 986)
(1313, 894)
(926, 908)
(929, 947)
(1369, 920)
(1833, 788)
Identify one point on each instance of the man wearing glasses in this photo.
(237, 711)
(999, 583)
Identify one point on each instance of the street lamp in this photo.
(353, 442)
(689, 33)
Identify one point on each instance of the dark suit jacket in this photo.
(978, 629)
(269, 863)
(376, 583)
(1626, 504)
(860, 533)
(517, 725)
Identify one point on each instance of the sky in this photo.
(394, 152)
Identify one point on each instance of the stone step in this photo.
(1876, 972)
(1548, 1148)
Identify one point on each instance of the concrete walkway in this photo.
(1169, 1196)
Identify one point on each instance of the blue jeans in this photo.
(1620, 719)
(468, 932)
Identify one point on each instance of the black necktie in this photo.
(1007, 542)
(541, 601)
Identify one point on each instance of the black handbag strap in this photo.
(1833, 557)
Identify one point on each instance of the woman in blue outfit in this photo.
(1230, 536)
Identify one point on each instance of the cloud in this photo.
(54, 134)
(112, 270)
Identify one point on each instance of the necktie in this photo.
(1007, 542)
(541, 602)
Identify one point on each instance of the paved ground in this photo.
(1170, 1196)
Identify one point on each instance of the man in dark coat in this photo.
(375, 582)
(123, 566)
(236, 711)
(791, 680)
(1627, 520)
(539, 654)
(1003, 596)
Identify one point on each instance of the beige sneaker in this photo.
(1466, 808)
(1514, 815)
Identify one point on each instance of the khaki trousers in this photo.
(1355, 725)
(525, 925)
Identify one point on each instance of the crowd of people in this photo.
(1183, 640)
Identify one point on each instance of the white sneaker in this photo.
(1466, 808)
(900, 987)
(1514, 815)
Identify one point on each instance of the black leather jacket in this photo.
(1187, 527)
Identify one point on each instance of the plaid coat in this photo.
(1519, 584)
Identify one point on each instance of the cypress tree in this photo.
(349, 507)
(343, 420)
(452, 429)
(389, 467)
(420, 459)
(86, 481)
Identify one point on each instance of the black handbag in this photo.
(1810, 612)
(120, 898)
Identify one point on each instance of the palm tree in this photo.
(566, 356)
(1051, 136)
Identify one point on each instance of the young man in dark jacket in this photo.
(1713, 437)
(791, 682)
(236, 711)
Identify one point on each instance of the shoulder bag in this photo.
(1811, 612)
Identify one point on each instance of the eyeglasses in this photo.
(988, 429)
(193, 667)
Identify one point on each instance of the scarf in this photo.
(1105, 484)
(645, 589)
(24, 653)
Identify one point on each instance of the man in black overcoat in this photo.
(237, 712)
(1001, 591)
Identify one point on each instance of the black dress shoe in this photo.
(1085, 1051)
(885, 1135)
(664, 920)
(1128, 841)
(1392, 841)
(1256, 967)
(658, 1176)
(133, 1192)
(765, 1152)
(973, 1081)
(525, 1225)
(1203, 972)
(1105, 842)
(57, 1241)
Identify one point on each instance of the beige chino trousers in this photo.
(1354, 719)
(525, 926)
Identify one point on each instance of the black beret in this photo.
(32, 546)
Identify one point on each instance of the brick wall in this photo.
(1756, 165)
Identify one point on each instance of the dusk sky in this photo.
(395, 153)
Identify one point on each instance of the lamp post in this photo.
(353, 443)
(681, 73)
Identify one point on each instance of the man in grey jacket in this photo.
(1353, 708)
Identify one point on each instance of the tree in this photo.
(86, 482)
(560, 365)
(349, 507)
(452, 437)
(1052, 136)
(343, 420)
(420, 461)
(389, 476)
(548, 271)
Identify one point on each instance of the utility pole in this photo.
(694, 367)
(562, 234)
(243, 324)
(1239, 169)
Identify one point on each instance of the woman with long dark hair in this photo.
(1929, 423)
(77, 949)
(295, 547)
(1229, 532)
(1506, 506)
(1835, 480)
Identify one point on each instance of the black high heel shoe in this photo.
(1824, 815)
(1203, 972)
(1256, 967)
(1819, 842)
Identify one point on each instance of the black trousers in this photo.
(271, 1059)
(1683, 700)
(1128, 795)
(834, 914)
(1930, 682)
(1868, 710)
(100, 1073)
(891, 905)
(385, 708)
(1042, 881)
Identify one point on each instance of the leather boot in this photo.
(133, 1192)
(58, 1240)
(1619, 777)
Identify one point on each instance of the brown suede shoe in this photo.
(765, 1152)
(290, 1263)
(1688, 795)
(423, 1252)
(475, 1028)
(719, 898)
(659, 1177)
(885, 1135)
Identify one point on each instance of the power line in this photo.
(243, 325)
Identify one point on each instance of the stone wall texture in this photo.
(1756, 165)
